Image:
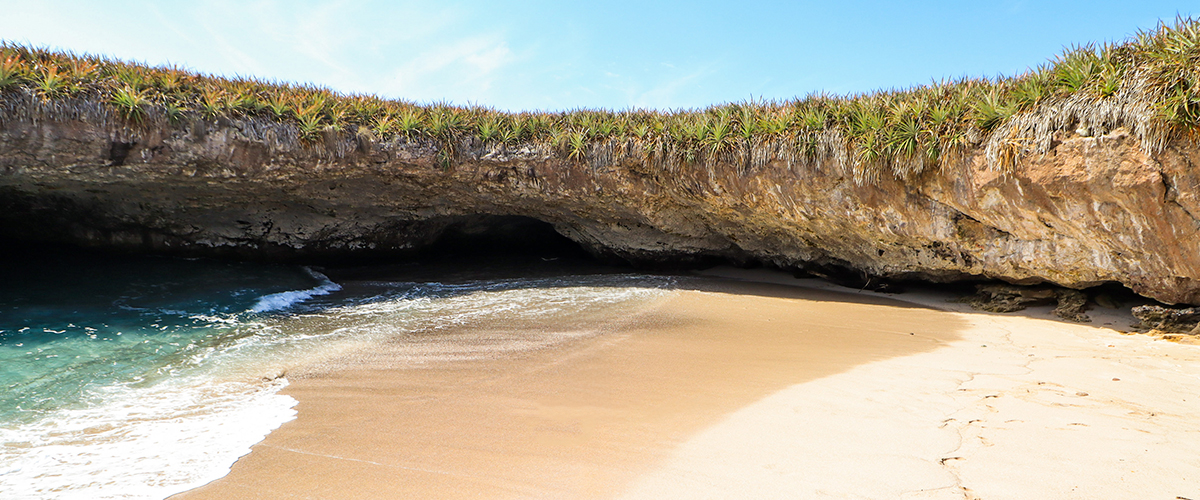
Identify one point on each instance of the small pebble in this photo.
(1115, 379)
(1081, 394)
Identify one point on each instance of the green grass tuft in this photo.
(130, 103)
(1149, 83)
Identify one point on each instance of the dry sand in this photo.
(753, 390)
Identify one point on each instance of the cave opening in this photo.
(480, 246)
(501, 236)
(475, 246)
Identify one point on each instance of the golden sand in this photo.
(743, 390)
(579, 420)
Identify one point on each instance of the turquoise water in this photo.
(139, 377)
(68, 329)
(106, 362)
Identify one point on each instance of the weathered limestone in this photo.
(1090, 211)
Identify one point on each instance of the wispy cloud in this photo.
(404, 50)
(542, 55)
(461, 69)
(669, 87)
(667, 93)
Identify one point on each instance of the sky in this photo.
(559, 55)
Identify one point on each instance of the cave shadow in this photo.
(512, 252)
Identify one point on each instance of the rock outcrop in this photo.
(1168, 320)
(1070, 305)
(1092, 210)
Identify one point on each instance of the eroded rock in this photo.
(1168, 320)
(1083, 214)
(1072, 305)
(999, 297)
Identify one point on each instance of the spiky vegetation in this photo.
(1149, 83)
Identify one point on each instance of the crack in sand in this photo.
(953, 460)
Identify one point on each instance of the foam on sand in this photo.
(570, 419)
(755, 393)
(140, 443)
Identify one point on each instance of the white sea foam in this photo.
(420, 310)
(149, 442)
(144, 443)
(284, 300)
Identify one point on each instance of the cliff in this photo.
(1090, 210)
(1079, 172)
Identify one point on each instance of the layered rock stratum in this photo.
(1089, 210)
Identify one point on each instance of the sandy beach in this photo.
(750, 384)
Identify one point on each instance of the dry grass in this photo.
(1149, 83)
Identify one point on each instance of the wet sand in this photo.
(753, 390)
(579, 420)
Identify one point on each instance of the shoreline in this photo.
(747, 386)
(577, 420)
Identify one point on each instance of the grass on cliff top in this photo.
(1149, 83)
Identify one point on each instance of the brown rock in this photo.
(998, 297)
(1008, 298)
(1168, 320)
(1071, 306)
(1092, 210)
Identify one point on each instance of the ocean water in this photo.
(140, 377)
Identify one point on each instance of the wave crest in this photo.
(284, 300)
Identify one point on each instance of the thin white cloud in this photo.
(404, 49)
(669, 93)
(459, 70)
(349, 45)
(242, 62)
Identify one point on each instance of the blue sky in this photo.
(564, 54)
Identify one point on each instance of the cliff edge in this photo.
(1079, 173)
(1090, 210)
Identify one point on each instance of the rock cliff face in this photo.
(1092, 210)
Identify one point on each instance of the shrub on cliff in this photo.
(1149, 83)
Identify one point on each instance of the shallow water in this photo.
(139, 377)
